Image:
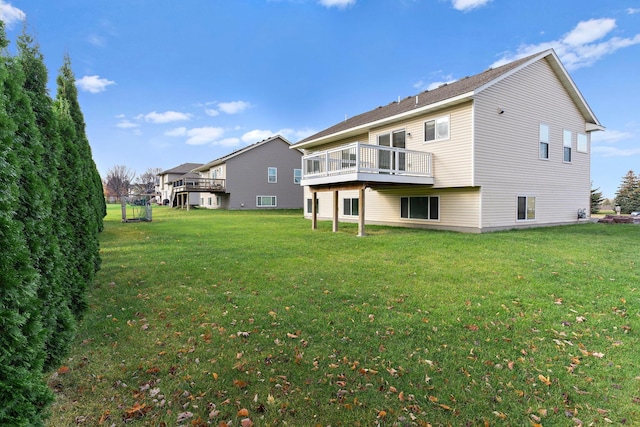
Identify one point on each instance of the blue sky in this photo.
(165, 82)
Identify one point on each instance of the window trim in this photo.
(297, 176)
(526, 208)
(435, 130)
(260, 205)
(542, 142)
(274, 175)
(567, 145)
(430, 217)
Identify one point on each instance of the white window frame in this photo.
(582, 143)
(297, 176)
(430, 216)
(567, 139)
(351, 201)
(436, 121)
(543, 140)
(272, 175)
(527, 209)
(261, 199)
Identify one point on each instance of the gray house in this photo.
(266, 174)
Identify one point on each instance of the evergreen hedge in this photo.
(51, 212)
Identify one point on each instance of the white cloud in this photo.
(166, 117)
(610, 136)
(589, 31)
(296, 135)
(11, 15)
(340, 4)
(465, 5)
(181, 131)
(126, 124)
(229, 142)
(632, 11)
(422, 85)
(203, 135)
(211, 112)
(256, 135)
(233, 107)
(609, 151)
(93, 84)
(579, 47)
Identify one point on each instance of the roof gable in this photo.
(446, 95)
(225, 158)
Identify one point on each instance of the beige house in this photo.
(263, 175)
(506, 148)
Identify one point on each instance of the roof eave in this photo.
(387, 120)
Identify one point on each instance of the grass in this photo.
(251, 318)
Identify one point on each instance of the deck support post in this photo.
(335, 211)
(361, 212)
(314, 210)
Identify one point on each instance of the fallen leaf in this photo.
(63, 370)
(244, 412)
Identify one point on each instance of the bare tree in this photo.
(118, 181)
(146, 183)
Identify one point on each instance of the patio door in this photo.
(388, 160)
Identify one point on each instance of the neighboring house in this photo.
(167, 178)
(262, 175)
(507, 148)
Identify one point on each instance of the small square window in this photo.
(350, 207)
(437, 129)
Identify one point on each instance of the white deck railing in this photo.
(358, 158)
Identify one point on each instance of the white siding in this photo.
(507, 161)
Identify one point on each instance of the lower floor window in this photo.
(266, 201)
(425, 207)
(526, 208)
(350, 206)
(310, 205)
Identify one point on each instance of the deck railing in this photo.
(198, 184)
(366, 158)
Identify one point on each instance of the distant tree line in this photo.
(51, 212)
(628, 194)
(120, 182)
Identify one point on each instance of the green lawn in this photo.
(232, 318)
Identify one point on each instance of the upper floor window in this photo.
(297, 176)
(272, 175)
(436, 129)
(544, 141)
(582, 143)
(566, 144)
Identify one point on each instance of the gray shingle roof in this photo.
(182, 169)
(442, 93)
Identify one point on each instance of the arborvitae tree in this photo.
(81, 184)
(67, 90)
(58, 320)
(628, 194)
(23, 394)
(596, 200)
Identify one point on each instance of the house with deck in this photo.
(167, 178)
(263, 175)
(506, 148)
